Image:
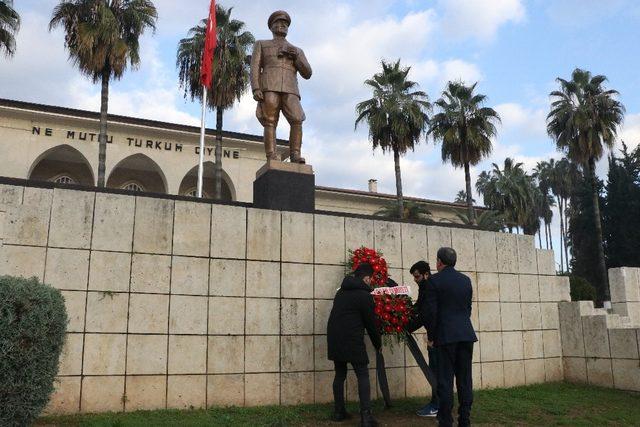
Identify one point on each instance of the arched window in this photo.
(62, 164)
(194, 193)
(64, 179)
(140, 170)
(132, 186)
(190, 181)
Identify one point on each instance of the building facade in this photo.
(48, 143)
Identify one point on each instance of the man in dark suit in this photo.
(421, 272)
(447, 314)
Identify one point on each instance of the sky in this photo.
(514, 49)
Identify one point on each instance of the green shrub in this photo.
(581, 289)
(33, 320)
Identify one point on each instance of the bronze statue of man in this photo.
(274, 67)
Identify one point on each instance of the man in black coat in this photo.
(421, 271)
(351, 314)
(447, 314)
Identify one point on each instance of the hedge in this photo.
(33, 321)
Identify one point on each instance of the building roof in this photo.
(22, 105)
(361, 193)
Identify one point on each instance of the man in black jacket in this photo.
(351, 314)
(421, 272)
(447, 314)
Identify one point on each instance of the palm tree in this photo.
(531, 219)
(9, 26)
(543, 174)
(396, 115)
(102, 37)
(411, 210)
(461, 197)
(489, 220)
(558, 178)
(465, 129)
(565, 177)
(546, 214)
(510, 192)
(583, 121)
(230, 71)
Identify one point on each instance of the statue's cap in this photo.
(279, 14)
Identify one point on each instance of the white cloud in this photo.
(479, 19)
(40, 71)
(630, 132)
(521, 120)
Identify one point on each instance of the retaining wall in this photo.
(177, 304)
(601, 348)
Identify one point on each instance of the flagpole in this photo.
(201, 161)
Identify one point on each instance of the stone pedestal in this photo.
(284, 186)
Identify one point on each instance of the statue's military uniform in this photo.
(275, 74)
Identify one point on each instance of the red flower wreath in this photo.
(393, 312)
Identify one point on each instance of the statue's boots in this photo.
(295, 143)
(270, 142)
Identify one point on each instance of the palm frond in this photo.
(412, 210)
(230, 60)
(103, 37)
(9, 26)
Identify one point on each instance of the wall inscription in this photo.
(148, 144)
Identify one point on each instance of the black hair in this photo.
(421, 266)
(363, 270)
(391, 283)
(447, 256)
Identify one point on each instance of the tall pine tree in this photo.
(581, 238)
(621, 213)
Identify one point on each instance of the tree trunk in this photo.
(603, 283)
(539, 237)
(396, 160)
(467, 180)
(218, 155)
(546, 236)
(550, 238)
(102, 136)
(561, 234)
(566, 230)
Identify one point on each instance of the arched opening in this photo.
(189, 184)
(62, 164)
(138, 173)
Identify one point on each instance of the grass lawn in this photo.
(546, 404)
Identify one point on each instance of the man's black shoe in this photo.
(367, 420)
(340, 416)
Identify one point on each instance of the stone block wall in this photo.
(178, 304)
(602, 348)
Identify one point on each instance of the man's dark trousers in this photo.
(433, 364)
(432, 353)
(455, 360)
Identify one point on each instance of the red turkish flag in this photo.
(210, 40)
